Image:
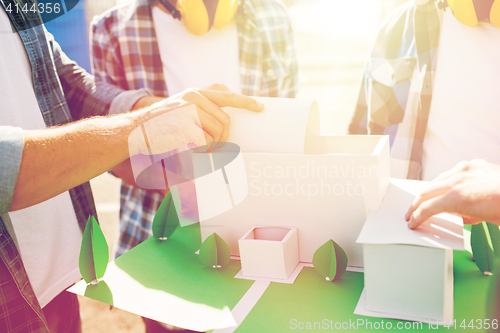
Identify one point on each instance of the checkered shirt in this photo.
(64, 92)
(396, 91)
(125, 53)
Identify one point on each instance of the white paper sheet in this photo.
(130, 295)
(388, 225)
(281, 128)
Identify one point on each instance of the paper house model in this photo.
(324, 186)
(269, 252)
(408, 274)
(419, 285)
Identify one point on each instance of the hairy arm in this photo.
(57, 159)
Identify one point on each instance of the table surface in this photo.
(172, 266)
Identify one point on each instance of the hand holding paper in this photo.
(193, 116)
(214, 121)
(470, 189)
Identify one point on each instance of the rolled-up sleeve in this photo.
(11, 152)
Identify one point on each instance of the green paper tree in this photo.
(94, 252)
(485, 244)
(166, 219)
(330, 261)
(99, 292)
(493, 298)
(214, 252)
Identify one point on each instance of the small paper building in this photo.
(409, 281)
(269, 252)
(408, 273)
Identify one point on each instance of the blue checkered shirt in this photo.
(64, 92)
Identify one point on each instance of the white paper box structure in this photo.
(409, 281)
(269, 252)
(322, 185)
(408, 273)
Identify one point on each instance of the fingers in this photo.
(229, 98)
(217, 86)
(198, 137)
(213, 119)
(209, 102)
(428, 209)
(435, 189)
(213, 126)
(470, 220)
(208, 140)
(439, 186)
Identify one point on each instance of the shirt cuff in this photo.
(11, 150)
(124, 102)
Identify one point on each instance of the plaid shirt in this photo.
(396, 93)
(64, 92)
(125, 53)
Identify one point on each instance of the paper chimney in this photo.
(269, 252)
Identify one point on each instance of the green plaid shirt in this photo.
(396, 92)
(126, 53)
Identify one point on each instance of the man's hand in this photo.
(209, 101)
(470, 189)
(173, 127)
(209, 115)
(57, 159)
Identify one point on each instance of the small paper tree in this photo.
(485, 244)
(214, 252)
(330, 261)
(94, 252)
(166, 219)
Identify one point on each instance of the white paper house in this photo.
(408, 273)
(269, 252)
(322, 185)
(409, 281)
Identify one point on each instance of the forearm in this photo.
(57, 159)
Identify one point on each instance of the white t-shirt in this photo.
(197, 61)
(47, 234)
(464, 118)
